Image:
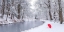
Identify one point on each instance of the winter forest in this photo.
(31, 15)
(18, 10)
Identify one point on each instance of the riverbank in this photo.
(9, 21)
(56, 27)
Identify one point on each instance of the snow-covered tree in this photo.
(60, 12)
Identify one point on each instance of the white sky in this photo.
(32, 2)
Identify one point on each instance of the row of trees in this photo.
(45, 9)
(7, 5)
(52, 9)
(59, 10)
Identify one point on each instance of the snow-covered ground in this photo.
(56, 27)
(9, 20)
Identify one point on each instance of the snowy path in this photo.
(56, 27)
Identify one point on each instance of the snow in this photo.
(56, 27)
(9, 20)
(29, 19)
(32, 2)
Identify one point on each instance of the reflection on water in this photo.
(18, 27)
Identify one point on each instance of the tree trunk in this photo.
(49, 6)
(3, 7)
(60, 17)
(12, 2)
(60, 12)
(8, 7)
(18, 11)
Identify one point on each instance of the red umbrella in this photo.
(49, 25)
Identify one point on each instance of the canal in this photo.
(18, 27)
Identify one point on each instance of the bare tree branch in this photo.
(46, 4)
